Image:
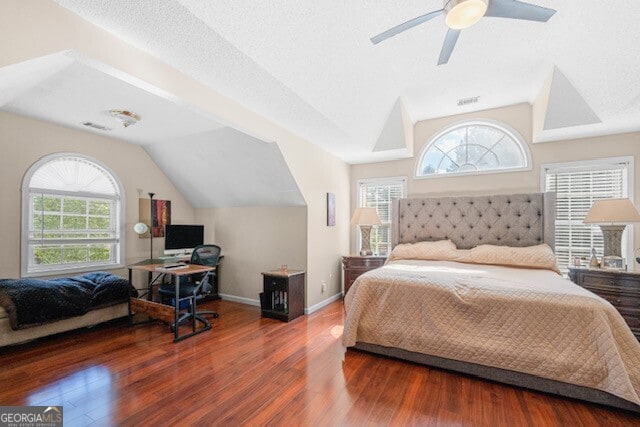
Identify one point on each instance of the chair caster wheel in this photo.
(173, 328)
(216, 315)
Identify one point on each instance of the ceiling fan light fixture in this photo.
(461, 14)
(127, 118)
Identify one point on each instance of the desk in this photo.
(152, 266)
(212, 295)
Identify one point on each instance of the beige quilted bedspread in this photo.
(525, 320)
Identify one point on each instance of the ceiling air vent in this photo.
(96, 126)
(466, 101)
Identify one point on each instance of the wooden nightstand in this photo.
(283, 296)
(354, 265)
(620, 288)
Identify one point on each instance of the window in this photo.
(577, 185)
(71, 216)
(378, 193)
(472, 148)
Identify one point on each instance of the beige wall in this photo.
(253, 240)
(32, 29)
(518, 117)
(25, 140)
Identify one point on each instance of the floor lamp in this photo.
(141, 227)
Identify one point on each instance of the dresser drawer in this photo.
(633, 320)
(621, 289)
(365, 263)
(620, 301)
(354, 266)
(611, 282)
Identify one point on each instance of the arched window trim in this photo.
(25, 215)
(524, 147)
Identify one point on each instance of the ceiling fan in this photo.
(461, 14)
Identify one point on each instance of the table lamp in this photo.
(365, 218)
(612, 215)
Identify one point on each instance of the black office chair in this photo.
(202, 255)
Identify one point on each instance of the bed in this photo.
(522, 324)
(33, 308)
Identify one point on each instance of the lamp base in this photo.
(612, 236)
(365, 231)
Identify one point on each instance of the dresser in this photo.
(355, 265)
(620, 288)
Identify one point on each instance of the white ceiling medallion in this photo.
(127, 118)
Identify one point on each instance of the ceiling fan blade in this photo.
(518, 10)
(447, 47)
(405, 26)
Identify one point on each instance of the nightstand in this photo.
(283, 295)
(620, 288)
(354, 265)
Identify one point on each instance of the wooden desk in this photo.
(152, 309)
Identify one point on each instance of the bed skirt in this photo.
(503, 376)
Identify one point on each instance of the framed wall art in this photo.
(331, 209)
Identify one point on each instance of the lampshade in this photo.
(141, 228)
(462, 14)
(365, 216)
(612, 211)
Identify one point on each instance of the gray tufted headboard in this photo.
(468, 221)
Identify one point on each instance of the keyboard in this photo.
(171, 266)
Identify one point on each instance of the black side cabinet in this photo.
(283, 295)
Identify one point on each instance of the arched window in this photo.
(472, 148)
(71, 216)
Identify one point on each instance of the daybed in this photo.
(446, 305)
(32, 308)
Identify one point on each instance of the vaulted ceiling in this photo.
(310, 66)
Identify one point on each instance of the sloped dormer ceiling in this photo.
(226, 167)
(211, 164)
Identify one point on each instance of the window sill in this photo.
(74, 270)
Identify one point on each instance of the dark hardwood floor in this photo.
(255, 371)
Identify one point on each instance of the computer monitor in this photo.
(181, 239)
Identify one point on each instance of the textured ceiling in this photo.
(310, 67)
(63, 89)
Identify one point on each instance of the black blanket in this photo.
(32, 302)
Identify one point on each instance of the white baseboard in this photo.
(241, 300)
(256, 302)
(321, 304)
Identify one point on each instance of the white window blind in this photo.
(576, 188)
(378, 193)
